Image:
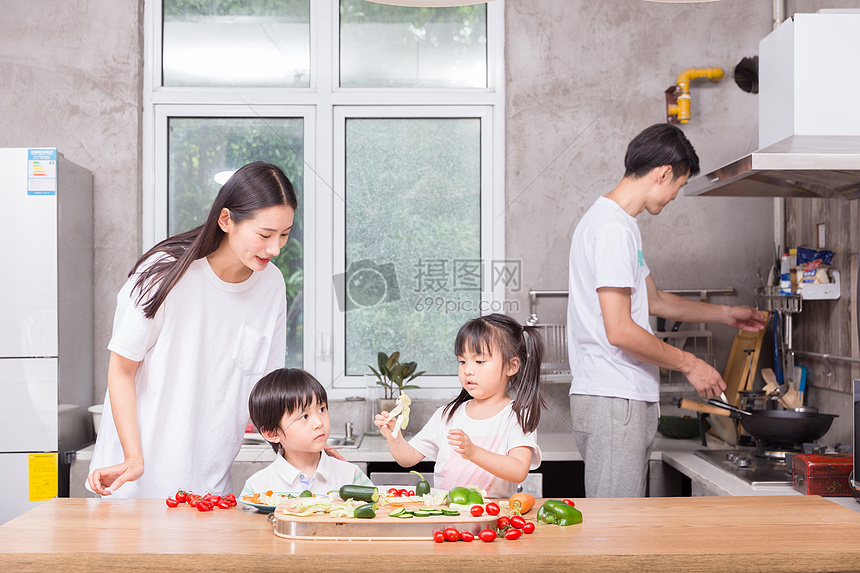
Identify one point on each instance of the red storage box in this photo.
(822, 474)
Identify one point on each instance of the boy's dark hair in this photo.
(658, 145)
(480, 335)
(282, 391)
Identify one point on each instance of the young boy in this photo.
(290, 409)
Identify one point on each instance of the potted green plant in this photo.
(394, 377)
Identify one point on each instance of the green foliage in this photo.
(394, 376)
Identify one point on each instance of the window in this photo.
(396, 156)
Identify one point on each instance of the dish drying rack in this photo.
(699, 341)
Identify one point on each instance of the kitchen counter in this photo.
(648, 534)
(707, 479)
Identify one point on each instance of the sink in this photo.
(343, 442)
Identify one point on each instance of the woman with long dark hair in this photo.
(201, 318)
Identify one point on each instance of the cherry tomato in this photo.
(411, 492)
(476, 511)
(172, 502)
(212, 498)
(518, 521)
(438, 536)
(529, 527)
(503, 522)
(193, 500)
(493, 509)
(204, 505)
(232, 500)
(487, 535)
(392, 492)
(402, 492)
(513, 534)
(466, 536)
(181, 496)
(224, 504)
(451, 534)
(569, 502)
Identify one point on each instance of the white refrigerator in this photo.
(46, 323)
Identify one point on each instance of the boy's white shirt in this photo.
(282, 476)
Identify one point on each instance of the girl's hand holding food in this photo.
(385, 428)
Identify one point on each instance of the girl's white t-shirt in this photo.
(498, 434)
(201, 354)
(606, 251)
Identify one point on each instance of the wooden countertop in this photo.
(791, 533)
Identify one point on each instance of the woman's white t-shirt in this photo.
(199, 357)
(498, 434)
(606, 251)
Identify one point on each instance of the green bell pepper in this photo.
(465, 496)
(458, 495)
(558, 513)
(423, 486)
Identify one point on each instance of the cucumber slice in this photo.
(421, 513)
(450, 512)
(405, 515)
(396, 511)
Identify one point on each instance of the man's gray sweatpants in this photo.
(615, 437)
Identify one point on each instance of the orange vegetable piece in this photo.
(521, 503)
(396, 504)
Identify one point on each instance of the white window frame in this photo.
(325, 106)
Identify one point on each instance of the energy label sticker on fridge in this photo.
(43, 476)
(42, 172)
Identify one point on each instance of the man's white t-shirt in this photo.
(201, 354)
(498, 434)
(281, 476)
(606, 251)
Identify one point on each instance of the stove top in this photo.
(746, 465)
(762, 466)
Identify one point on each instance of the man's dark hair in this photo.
(658, 145)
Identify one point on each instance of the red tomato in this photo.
(181, 496)
(438, 536)
(513, 534)
(410, 492)
(451, 534)
(466, 536)
(487, 535)
(204, 505)
(503, 522)
(402, 492)
(569, 502)
(193, 500)
(232, 499)
(476, 511)
(518, 521)
(392, 492)
(172, 502)
(529, 527)
(224, 504)
(493, 509)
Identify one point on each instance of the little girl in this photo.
(290, 408)
(483, 437)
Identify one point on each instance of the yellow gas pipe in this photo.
(681, 110)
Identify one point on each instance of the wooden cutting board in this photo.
(382, 527)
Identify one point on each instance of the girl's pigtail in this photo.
(529, 400)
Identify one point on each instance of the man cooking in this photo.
(614, 355)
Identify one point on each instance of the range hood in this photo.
(809, 121)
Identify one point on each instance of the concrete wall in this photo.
(70, 77)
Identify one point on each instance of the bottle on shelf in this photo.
(785, 275)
